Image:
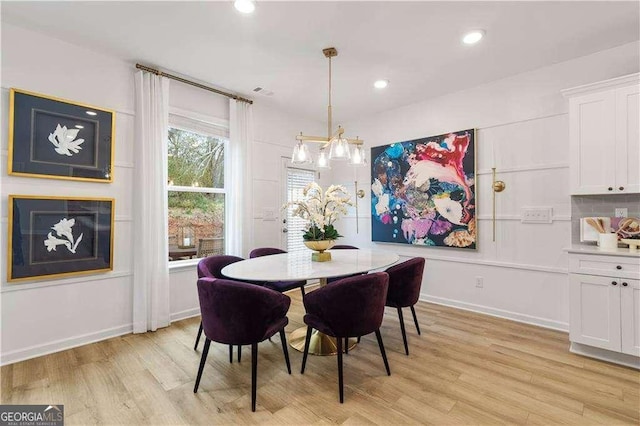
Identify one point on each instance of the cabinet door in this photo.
(628, 139)
(630, 316)
(592, 138)
(594, 304)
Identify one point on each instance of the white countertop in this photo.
(593, 249)
(298, 265)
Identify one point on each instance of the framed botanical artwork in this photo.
(52, 237)
(59, 139)
(423, 191)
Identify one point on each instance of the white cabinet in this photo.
(604, 302)
(627, 137)
(604, 136)
(594, 311)
(630, 316)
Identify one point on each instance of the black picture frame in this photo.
(55, 237)
(59, 139)
(423, 191)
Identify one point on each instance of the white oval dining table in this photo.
(298, 266)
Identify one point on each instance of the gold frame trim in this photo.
(63, 274)
(10, 171)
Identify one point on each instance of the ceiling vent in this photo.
(262, 91)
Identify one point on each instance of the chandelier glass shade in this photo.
(323, 159)
(301, 154)
(358, 156)
(339, 147)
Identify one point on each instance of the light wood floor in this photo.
(464, 369)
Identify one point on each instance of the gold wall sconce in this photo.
(496, 186)
(359, 194)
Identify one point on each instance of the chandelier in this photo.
(338, 147)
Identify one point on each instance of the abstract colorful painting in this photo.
(423, 191)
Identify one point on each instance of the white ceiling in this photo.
(416, 45)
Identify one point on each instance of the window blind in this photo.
(297, 180)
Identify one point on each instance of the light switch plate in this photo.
(537, 215)
(268, 215)
(622, 212)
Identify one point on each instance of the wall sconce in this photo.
(359, 194)
(496, 186)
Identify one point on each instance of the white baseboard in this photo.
(63, 344)
(605, 355)
(189, 313)
(500, 313)
(73, 342)
(81, 340)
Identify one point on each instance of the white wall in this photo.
(45, 316)
(525, 118)
(524, 271)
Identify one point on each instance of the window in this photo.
(297, 179)
(196, 192)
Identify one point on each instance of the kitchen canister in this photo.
(608, 241)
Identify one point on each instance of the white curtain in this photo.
(150, 232)
(238, 224)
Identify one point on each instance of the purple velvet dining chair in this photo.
(237, 313)
(212, 267)
(280, 286)
(342, 247)
(405, 280)
(350, 307)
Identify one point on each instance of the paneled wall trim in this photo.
(522, 127)
(98, 306)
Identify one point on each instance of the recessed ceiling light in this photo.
(92, 113)
(245, 6)
(473, 37)
(381, 84)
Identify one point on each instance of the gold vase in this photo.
(319, 248)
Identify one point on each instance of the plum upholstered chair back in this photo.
(237, 313)
(344, 247)
(350, 307)
(405, 280)
(265, 251)
(212, 265)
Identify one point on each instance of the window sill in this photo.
(181, 265)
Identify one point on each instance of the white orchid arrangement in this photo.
(321, 210)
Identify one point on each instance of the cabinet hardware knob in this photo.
(614, 283)
(625, 284)
(610, 188)
(618, 267)
(621, 188)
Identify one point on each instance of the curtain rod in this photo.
(192, 83)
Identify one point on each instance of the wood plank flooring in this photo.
(466, 368)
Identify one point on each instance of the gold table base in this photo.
(320, 343)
